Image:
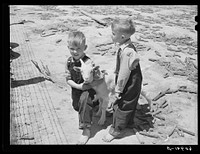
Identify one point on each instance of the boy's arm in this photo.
(124, 72)
(73, 84)
(129, 61)
(133, 61)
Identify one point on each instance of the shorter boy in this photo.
(81, 100)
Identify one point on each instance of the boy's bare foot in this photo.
(84, 137)
(108, 138)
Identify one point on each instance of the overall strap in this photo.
(69, 60)
(85, 58)
(131, 46)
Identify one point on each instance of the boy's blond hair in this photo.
(76, 38)
(124, 25)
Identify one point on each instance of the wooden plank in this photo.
(138, 136)
(186, 131)
(149, 135)
(93, 18)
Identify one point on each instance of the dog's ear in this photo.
(77, 69)
(96, 67)
(104, 72)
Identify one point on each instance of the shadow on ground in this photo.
(13, 45)
(17, 83)
(96, 128)
(142, 121)
(13, 55)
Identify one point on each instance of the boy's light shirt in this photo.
(127, 57)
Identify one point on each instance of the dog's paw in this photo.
(101, 122)
(98, 113)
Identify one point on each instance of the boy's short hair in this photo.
(124, 26)
(76, 38)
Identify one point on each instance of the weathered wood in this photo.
(144, 84)
(166, 75)
(187, 90)
(181, 73)
(48, 33)
(156, 112)
(149, 135)
(163, 106)
(138, 136)
(186, 131)
(172, 131)
(179, 132)
(103, 44)
(22, 22)
(96, 53)
(142, 40)
(162, 103)
(195, 66)
(159, 117)
(93, 18)
(173, 49)
(27, 138)
(176, 55)
(105, 52)
(58, 40)
(193, 79)
(148, 49)
(153, 60)
(157, 53)
(161, 94)
(168, 91)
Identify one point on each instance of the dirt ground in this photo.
(166, 40)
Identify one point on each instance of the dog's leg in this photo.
(95, 98)
(103, 111)
(100, 106)
(103, 117)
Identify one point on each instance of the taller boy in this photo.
(128, 78)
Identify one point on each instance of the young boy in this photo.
(128, 78)
(77, 45)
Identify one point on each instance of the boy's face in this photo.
(117, 36)
(77, 51)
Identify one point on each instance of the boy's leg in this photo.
(123, 115)
(85, 117)
(120, 120)
(85, 110)
(131, 119)
(75, 99)
(84, 136)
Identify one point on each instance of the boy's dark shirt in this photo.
(76, 76)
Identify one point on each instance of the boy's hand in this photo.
(110, 107)
(85, 86)
(96, 82)
(117, 96)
